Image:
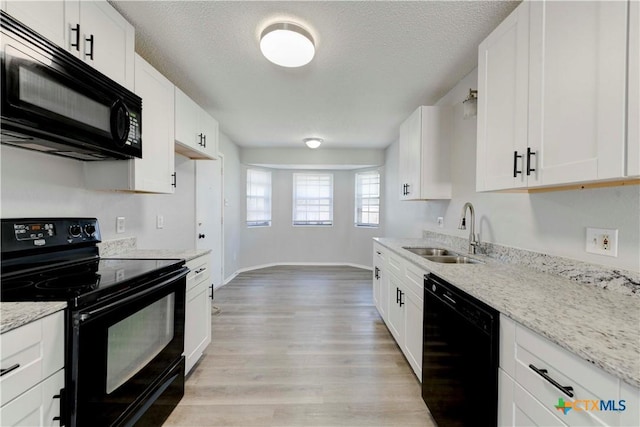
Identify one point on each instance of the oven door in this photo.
(127, 353)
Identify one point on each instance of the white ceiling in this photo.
(376, 61)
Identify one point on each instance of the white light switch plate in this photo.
(159, 221)
(602, 241)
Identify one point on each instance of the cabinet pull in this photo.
(174, 181)
(401, 300)
(515, 164)
(211, 295)
(90, 42)
(408, 186)
(397, 295)
(201, 142)
(76, 30)
(375, 273)
(9, 369)
(205, 141)
(568, 390)
(529, 154)
(201, 236)
(63, 406)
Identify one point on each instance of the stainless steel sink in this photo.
(456, 259)
(424, 252)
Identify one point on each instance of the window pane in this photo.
(258, 198)
(367, 203)
(312, 199)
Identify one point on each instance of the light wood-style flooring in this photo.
(300, 346)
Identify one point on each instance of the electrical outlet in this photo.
(120, 224)
(602, 241)
(159, 221)
(440, 222)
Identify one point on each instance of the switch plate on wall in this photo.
(159, 221)
(602, 241)
(440, 222)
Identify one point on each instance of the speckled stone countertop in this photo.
(599, 325)
(16, 314)
(186, 254)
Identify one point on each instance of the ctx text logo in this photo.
(591, 405)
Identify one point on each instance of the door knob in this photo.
(200, 236)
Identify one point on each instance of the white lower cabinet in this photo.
(400, 303)
(30, 390)
(529, 366)
(197, 330)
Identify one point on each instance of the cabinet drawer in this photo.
(394, 262)
(527, 411)
(588, 382)
(199, 273)
(379, 253)
(36, 350)
(37, 406)
(414, 279)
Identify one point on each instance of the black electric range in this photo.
(124, 328)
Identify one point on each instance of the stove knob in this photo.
(75, 230)
(89, 230)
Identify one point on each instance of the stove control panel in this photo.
(31, 233)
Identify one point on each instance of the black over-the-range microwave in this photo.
(55, 103)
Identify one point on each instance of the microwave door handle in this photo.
(88, 315)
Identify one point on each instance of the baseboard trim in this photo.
(278, 264)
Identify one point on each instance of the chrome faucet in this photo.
(473, 240)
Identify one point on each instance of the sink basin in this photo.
(424, 252)
(458, 259)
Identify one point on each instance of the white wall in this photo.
(283, 243)
(552, 222)
(233, 192)
(36, 184)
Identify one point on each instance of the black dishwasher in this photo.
(460, 356)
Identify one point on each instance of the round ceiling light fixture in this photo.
(287, 44)
(313, 142)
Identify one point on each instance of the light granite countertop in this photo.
(186, 254)
(16, 314)
(599, 325)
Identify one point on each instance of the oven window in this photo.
(136, 340)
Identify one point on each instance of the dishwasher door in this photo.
(460, 357)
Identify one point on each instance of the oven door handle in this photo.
(85, 316)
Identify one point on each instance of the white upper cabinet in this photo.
(553, 96)
(424, 165)
(503, 61)
(107, 41)
(153, 173)
(578, 91)
(91, 30)
(633, 98)
(196, 133)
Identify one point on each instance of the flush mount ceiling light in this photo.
(313, 142)
(287, 44)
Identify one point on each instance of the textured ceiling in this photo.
(376, 61)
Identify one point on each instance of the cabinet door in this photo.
(187, 113)
(395, 317)
(37, 406)
(197, 324)
(410, 155)
(383, 304)
(528, 411)
(503, 61)
(633, 97)
(209, 127)
(107, 41)
(45, 17)
(154, 171)
(413, 310)
(577, 96)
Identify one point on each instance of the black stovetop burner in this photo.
(57, 260)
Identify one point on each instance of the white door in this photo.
(209, 214)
